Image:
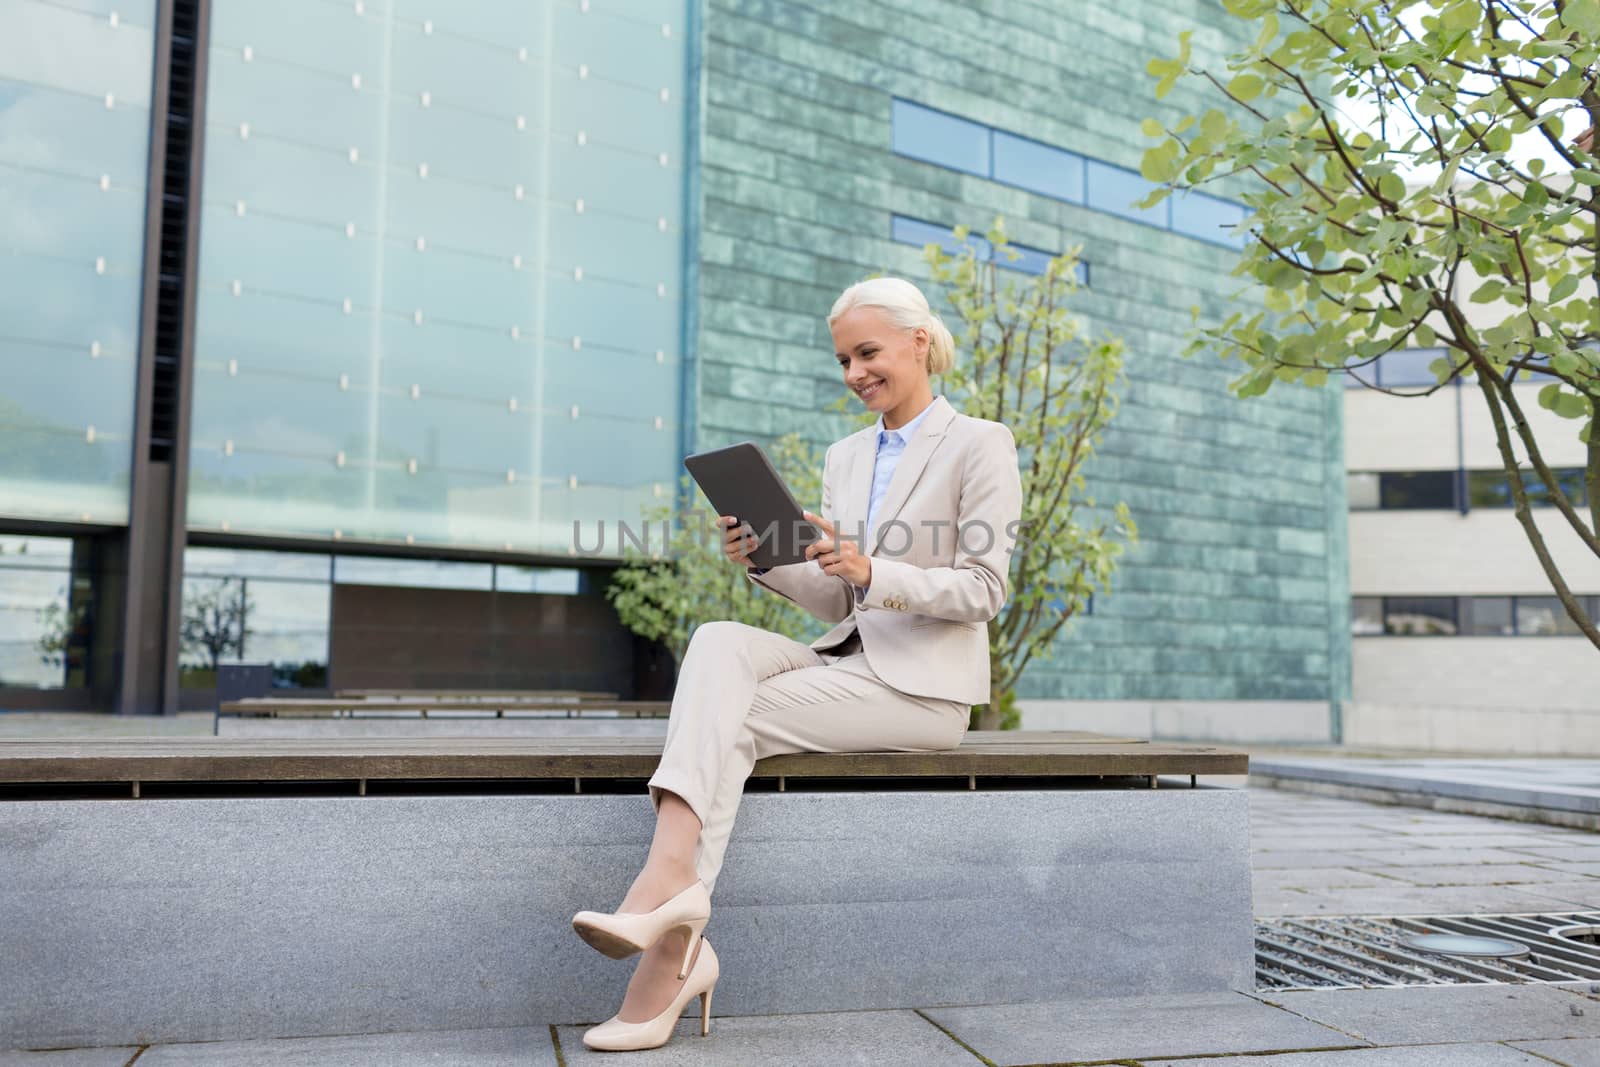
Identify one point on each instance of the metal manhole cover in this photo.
(1361, 952)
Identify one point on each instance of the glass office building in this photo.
(338, 315)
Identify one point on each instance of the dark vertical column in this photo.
(151, 561)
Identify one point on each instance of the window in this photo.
(1476, 616)
(568, 581)
(44, 617)
(1366, 616)
(1417, 489)
(947, 140)
(1362, 490)
(1113, 190)
(935, 137)
(1408, 367)
(1487, 615)
(251, 606)
(1419, 616)
(1544, 615)
(1208, 217)
(413, 573)
(1038, 168)
(1029, 260)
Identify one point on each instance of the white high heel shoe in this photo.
(622, 933)
(616, 1035)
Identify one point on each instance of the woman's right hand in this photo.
(737, 540)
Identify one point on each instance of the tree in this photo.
(1025, 360)
(216, 615)
(665, 599)
(1362, 241)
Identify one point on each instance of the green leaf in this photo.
(1563, 289)
(1152, 128)
(1246, 87)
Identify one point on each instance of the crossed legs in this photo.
(744, 693)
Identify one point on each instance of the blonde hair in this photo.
(904, 306)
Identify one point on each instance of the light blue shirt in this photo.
(891, 445)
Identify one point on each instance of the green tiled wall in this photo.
(1237, 591)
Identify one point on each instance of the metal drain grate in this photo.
(1363, 952)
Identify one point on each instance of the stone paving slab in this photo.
(1442, 874)
(1578, 1052)
(1585, 895)
(1196, 1024)
(823, 1038)
(1560, 784)
(1380, 860)
(1301, 859)
(72, 1057)
(1438, 1014)
(1465, 1055)
(501, 1047)
(1426, 900)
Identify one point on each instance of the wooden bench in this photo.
(473, 694)
(160, 888)
(485, 707)
(984, 758)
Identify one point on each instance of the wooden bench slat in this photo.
(1000, 753)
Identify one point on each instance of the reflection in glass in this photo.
(1038, 167)
(932, 136)
(74, 131)
(1114, 190)
(440, 270)
(567, 581)
(1544, 615)
(1366, 616)
(1487, 615)
(1419, 615)
(1362, 490)
(1208, 217)
(1408, 367)
(249, 606)
(1417, 489)
(413, 573)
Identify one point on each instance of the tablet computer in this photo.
(741, 481)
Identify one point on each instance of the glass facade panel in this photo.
(1487, 615)
(428, 235)
(1430, 615)
(413, 573)
(1544, 616)
(567, 581)
(1362, 490)
(1208, 218)
(1114, 190)
(1408, 367)
(1417, 489)
(1038, 167)
(935, 137)
(74, 135)
(249, 606)
(40, 638)
(1366, 616)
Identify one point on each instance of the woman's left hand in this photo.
(842, 558)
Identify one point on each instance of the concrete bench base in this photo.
(151, 921)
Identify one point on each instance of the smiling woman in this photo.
(906, 659)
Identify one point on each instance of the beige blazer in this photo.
(923, 619)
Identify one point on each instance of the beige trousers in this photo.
(744, 693)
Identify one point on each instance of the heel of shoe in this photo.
(705, 1010)
(694, 926)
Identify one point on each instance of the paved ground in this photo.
(1312, 855)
